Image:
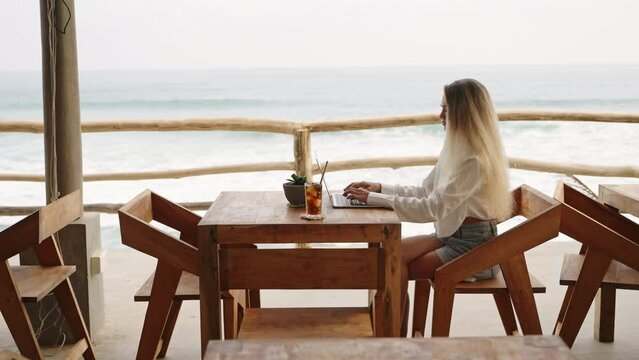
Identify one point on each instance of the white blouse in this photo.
(448, 203)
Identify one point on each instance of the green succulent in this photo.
(296, 180)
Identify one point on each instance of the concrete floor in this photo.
(473, 315)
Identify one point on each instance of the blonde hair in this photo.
(471, 119)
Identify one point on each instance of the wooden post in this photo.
(302, 153)
(61, 95)
(80, 241)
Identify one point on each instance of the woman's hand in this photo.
(359, 194)
(372, 187)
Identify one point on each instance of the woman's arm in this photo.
(444, 199)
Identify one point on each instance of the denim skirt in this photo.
(466, 238)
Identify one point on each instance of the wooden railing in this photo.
(301, 132)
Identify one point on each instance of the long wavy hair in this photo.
(472, 121)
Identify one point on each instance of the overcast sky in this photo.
(162, 34)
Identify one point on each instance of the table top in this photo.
(506, 347)
(623, 197)
(271, 208)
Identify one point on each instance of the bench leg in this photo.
(505, 308)
(16, 316)
(169, 326)
(592, 273)
(165, 284)
(69, 305)
(520, 290)
(605, 314)
(443, 298)
(420, 309)
(562, 311)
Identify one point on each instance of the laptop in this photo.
(338, 201)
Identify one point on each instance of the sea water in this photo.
(303, 94)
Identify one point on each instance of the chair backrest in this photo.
(542, 215)
(40, 225)
(137, 232)
(594, 224)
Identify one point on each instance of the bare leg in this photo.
(413, 249)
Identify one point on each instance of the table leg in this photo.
(210, 310)
(391, 307)
(605, 314)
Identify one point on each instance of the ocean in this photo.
(311, 94)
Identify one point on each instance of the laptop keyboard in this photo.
(341, 200)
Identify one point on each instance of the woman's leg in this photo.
(413, 248)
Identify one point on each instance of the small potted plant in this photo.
(294, 190)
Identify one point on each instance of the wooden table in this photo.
(264, 217)
(624, 198)
(507, 347)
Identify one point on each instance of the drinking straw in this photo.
(323, 171)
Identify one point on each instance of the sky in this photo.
(202, 34)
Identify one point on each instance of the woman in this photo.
(465, 194)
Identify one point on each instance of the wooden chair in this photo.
(608, 260)
(514, 283)
(20, 284)
(176, 275)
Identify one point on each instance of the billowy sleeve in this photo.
(411, 190)
(441, 201)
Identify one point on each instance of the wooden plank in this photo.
(605, 314)
(158, 310)
(140, 207)
(210, 308)
(35, 282)
(391, 306)
(69, 306)
(60, 213)
(145, 238)
(506, 314)
(520, 290)
(581, 228)
(15, 315)
(298, 268)
(169, 326)
(177, 217)
(421, 298)
(623, 197)
(77, 350)
(297, 323)
(301, 233)
(618, 275)
(595, 265)
(270, 208)
(479, 348)
(188, 288)
(601, 213)
(495, 285)
(534, 202)
(19, 236)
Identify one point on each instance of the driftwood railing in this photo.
(301, 132)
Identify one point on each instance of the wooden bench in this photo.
(479, 348)
(497, 287)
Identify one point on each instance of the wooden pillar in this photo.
(302, 153)
(80, 241)
(62, 132)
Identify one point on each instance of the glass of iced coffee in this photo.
(313, 192)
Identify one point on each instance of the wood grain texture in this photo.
(479, 348)
(188, 288)
(299, 323)
(618, 275)
(605, 314)
(298, 268)
(35, 282)
(625, 198)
